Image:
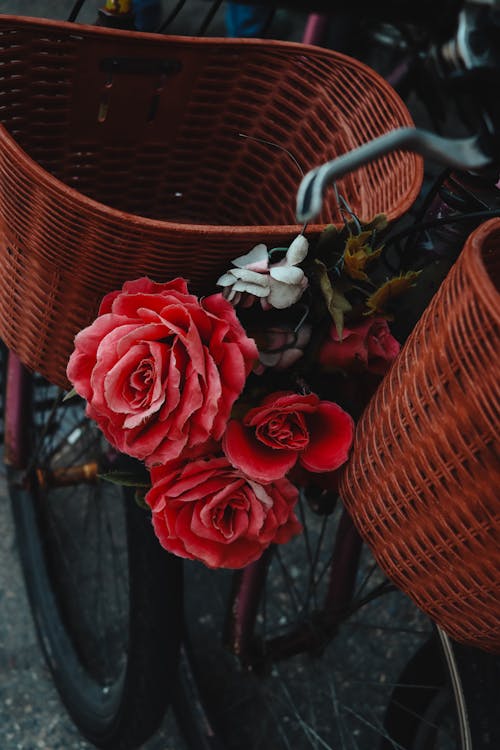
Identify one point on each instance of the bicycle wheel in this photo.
(105, 597)
(306, 678)
(413, 698)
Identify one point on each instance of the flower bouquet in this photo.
(236, 402)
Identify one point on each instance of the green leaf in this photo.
(336, 302)
(70, 394)
(127, 479)
(139, 497)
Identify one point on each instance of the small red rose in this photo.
(368, 345)
(205, 509)
(288, 427)
(160, 369)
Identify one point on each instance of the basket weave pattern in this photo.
(423, 484)
(113, 173)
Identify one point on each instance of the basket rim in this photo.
(210, 230)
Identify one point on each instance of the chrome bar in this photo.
(464, 154)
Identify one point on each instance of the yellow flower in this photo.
(377, 302)
(357, 254)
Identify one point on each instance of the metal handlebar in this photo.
(463, 154)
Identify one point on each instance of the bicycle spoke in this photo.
(422, 719)
(329, 695)
(306, 728)
(118, 572)
(326, 567)
(307, 543)
(391, 685)
(101, 629)
(366, 580)
(389, 628)
(379, 729)
(290, 585)
(339, 721)
(77, 511)
(313, 582)
(278, 724)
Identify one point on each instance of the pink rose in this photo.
(205, 509)
(160, 370)
(288, 427)
(368, 345)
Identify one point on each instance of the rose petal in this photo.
(297, 251)
(256, 289)
(257, 254)
(282, 295)
(169, 542)
(244, 274)
(225, 280)
(287, 274)
(256, 460)
(331, 431)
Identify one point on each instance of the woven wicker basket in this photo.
(120, 157)
(423, 484)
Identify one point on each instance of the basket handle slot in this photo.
(139, 66)
(135, 66)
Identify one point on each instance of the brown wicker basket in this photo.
(120, 156)
(423, 484)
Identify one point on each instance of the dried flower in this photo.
(337, 304)
(358, 254)
(378, 301)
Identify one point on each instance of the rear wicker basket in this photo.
(121, 156)
(423, 484)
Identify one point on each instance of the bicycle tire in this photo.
(116, 697)
(478, 674)
(255, 702)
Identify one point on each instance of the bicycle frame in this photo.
(16, 451)
(248, 587)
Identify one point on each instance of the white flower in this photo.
(250, 276)
(297, 252)
(256, 259)
(279, 285)
(288, 282)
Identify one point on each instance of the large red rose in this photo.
(368, 345)
(288, 427)
(160, 370)
(205, 509)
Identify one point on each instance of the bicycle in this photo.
(51, 420)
